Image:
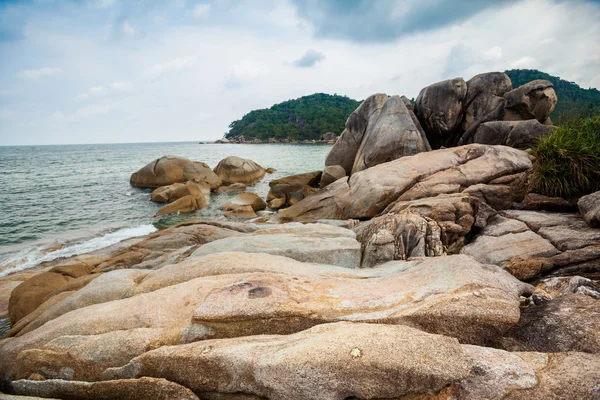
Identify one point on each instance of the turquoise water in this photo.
(79, 195)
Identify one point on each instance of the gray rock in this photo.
(485, 95)
(332, 173)
(589, 207)
(517, 134)
(533, 100)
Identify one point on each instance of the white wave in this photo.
(31, 257)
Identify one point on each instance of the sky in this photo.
(109, 71)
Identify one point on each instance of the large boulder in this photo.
(393, 134)
(368, 193)
(185, 204)
(485, 98)
(167, 194)
(239, 170)
(533, 100)
(245, 199)
(344, 150)
(589, 207)
(289, 190)
(517, 134)
(171, 169)
(439, 108)
(331, 173)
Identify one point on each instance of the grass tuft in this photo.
(567, 162)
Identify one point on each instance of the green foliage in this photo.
(306, 118)
(567, 163)
(573, 101)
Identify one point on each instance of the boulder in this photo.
(329, 137)
(239, 170)
(566, 323)
(242, 212)
(185, 204)
(233, 188)
(589, 207)
(171, 169)
(349, 361)
(331, 173)
(393, 134)
(485, 98)
(308, 179)
(289, 190)
(439, 108)
(517, 134)
(243, 200)
(534, 201)
(344, 150)
(533, 100)
(368, 193)
(167, 194)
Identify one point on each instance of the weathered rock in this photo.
(289, 190)
(369, 192)
(126, 389)
(485, 98)
(185, 204)
(533, 100)
(569, 285)
(239, 170)
(348, 360)
(589, 207)
(517, 134)
(170, 169)
(391, 136)
(331, 173)
(567, 323)
(534, 201)
(246, 199)
(271, 170)
(329, 137)
(244, 212)
(234, 187)
(344, 150)
(420, 228)
(439, 108)
(167, 194)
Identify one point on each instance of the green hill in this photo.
(572, 99)
(306, 118)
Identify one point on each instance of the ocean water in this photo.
(79, 195)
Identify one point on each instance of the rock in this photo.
(405, 360)
(331, 173)
(589, 207)
(271, 170)
(533, 100)
(439, 108)
(393, 134)
(289, 190)
(567, 323)
(517, 134)
(166, 194)
(245, 199)
(185, 204)
(340, 251)
(233, 188)
(344, 150)
(126, 389)
(485, 98)
(239, 170)
(368, 193)
(170, 169)
(245, 212)
(329, 137)
(569, 285)
(420, 228)
(534, 201)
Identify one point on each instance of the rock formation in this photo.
(289, 190)
(239, 170)
(170, 169)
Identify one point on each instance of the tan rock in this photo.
(234, 187)
(243, 200)
(167, 194)
(245, 212)
(239, 170)
(533, 100)
(589, 207)
(331, 173)
(185, 204)
(170, 169)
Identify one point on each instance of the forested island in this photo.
(308, 118)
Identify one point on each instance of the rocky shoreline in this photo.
(415, 266)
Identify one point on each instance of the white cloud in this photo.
(112, 89)
(172, 65)
(494, 53)
(38, 73)
(5, 113)
(102, 3)
(81, 113)
(524, 62)
(201, 10)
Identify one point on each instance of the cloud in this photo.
(386, 20)
(81, 113)
(524, 62)
(112, 89)
(172, 65)
(201, 10)
(4, 113)
(38, 73)
(244, 72)
(309, 59)
(494, 53)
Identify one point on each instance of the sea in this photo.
(64, 200)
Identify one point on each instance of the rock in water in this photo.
(167, 194)
(239, 170)
(245, 199)
(439, 108)
(291, 189)
(533, 100)
(393, 134)
(186, 204)
(170, 169)
(589, 207)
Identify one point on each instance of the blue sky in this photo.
(105, 71)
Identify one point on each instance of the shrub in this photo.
(567, 162)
